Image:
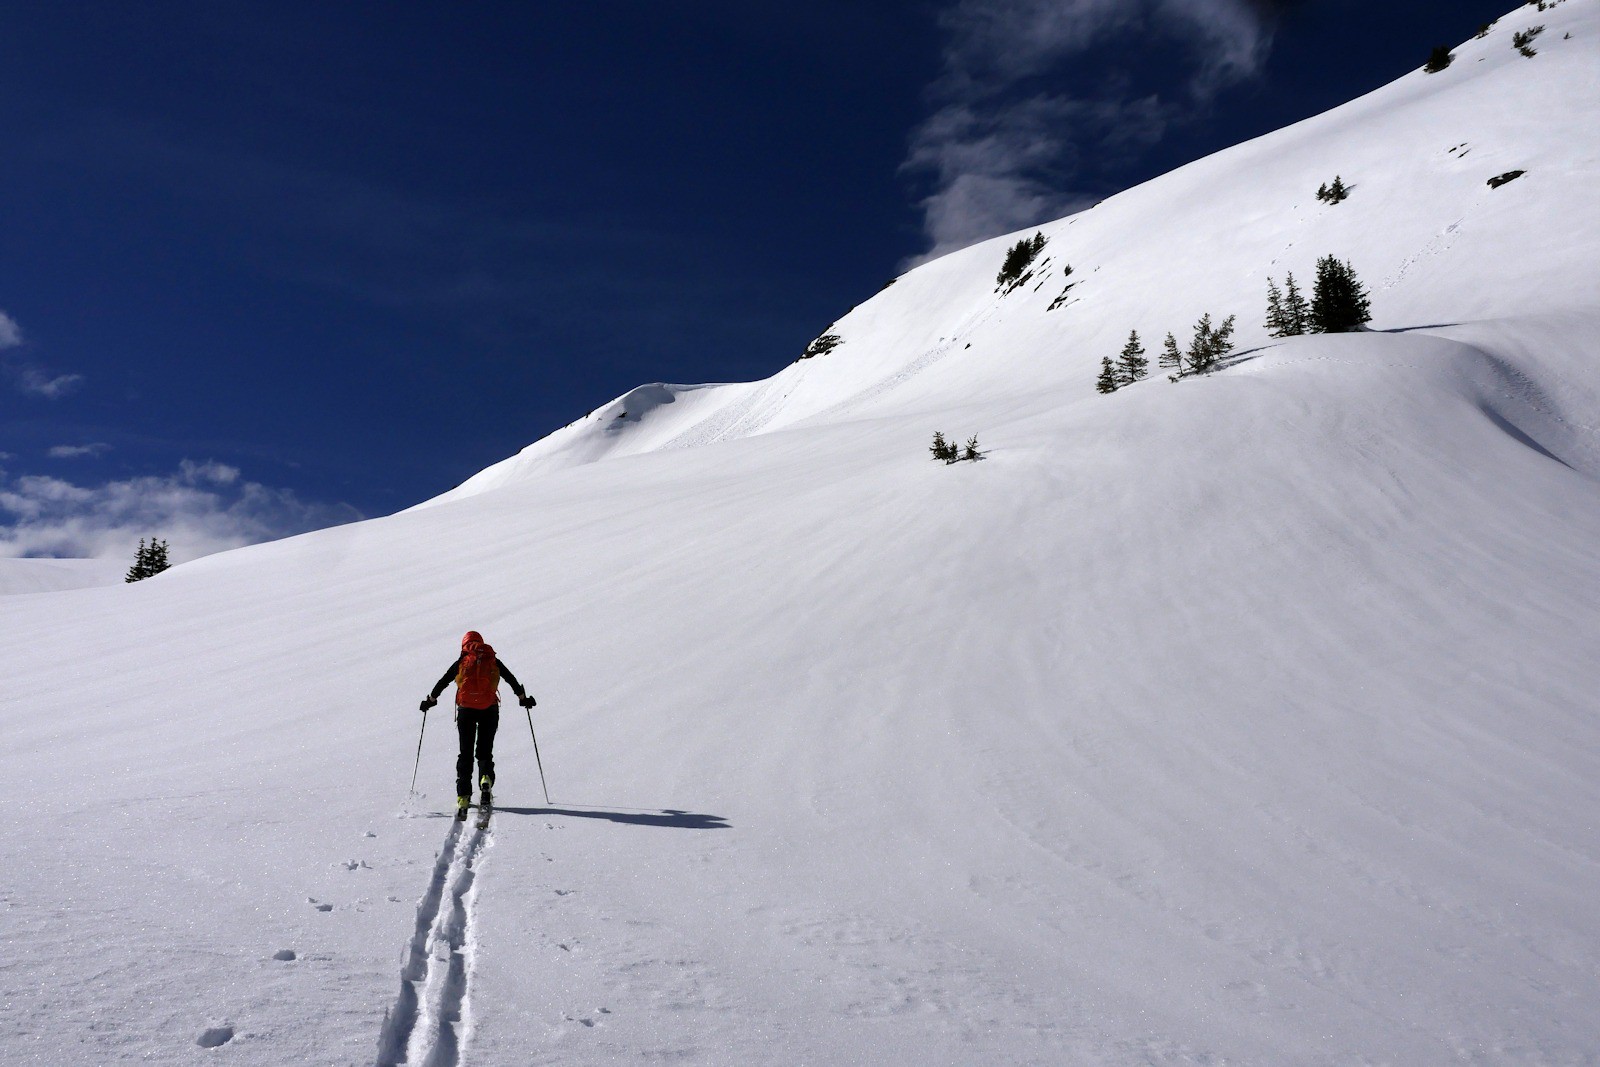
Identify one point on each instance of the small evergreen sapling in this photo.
(1275, 320)
(946, 452)
(1339, 302)
(1171, 358)
(1209, 345)
(149, 561)
(1109, 381)
(1287, 313)
(1132, 364)
(1335, 193)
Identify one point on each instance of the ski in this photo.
(485, 809)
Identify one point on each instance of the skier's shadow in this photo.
(667, 817)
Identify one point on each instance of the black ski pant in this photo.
(475, 727)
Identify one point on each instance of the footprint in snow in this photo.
(284, 955)
(215, 1037)
(320, 907)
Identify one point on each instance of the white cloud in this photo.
(30, 378)
(79, 451)
(36, 381)
(1003, 151)
(199, 509)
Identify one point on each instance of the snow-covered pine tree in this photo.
(1339, 301)
(1109, 380)
(148, 561)
(1132, 365)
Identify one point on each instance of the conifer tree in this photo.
(1277, 324)
(1296, 312)
(1339, 301)
(972, 452)
(1170, 358)
(942, 449)
(1109, 379)
(149, 560)
(1209, 345)
(1132, 364)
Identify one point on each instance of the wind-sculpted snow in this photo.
(1246, 719)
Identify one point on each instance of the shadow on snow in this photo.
(665, 817)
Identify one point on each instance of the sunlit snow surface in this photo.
(1245, 719)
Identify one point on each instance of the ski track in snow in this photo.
(431, 1016)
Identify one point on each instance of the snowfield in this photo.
(1248, 719)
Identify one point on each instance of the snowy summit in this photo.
(1249, 717)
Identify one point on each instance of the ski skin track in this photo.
(431, 1017)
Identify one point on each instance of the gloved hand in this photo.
(428, 702)
(527, 701)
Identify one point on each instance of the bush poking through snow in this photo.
(1522, 40)
(1339, 301)
(822, 346)
(150, 560)
(1441, 57)
(1509, 176)
(1014, 271)
(946, 452)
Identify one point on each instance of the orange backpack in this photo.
(478, 677)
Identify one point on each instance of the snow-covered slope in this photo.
(1422, 226)
(54, 575)
(1244, 719)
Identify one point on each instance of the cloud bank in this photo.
(1004, 146)
(200, 509)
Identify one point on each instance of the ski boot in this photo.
(462, 803)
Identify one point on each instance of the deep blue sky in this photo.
(358, 252)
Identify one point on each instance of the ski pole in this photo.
(536, 758)
(419, 752)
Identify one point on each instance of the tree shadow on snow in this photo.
(667, 817)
